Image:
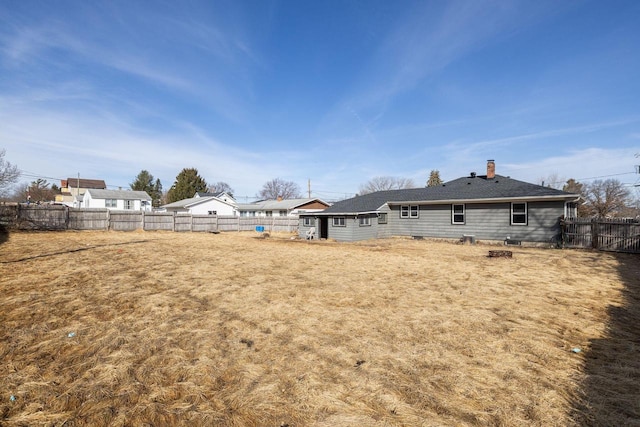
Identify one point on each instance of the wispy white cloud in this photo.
(100, 144)
(483, 145)
(431, 37)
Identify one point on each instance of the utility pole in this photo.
(309, 186)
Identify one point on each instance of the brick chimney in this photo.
(491, 169)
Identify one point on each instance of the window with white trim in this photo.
(283, 213)
(570, 210)
(409, 211)
(269, 213)
(457, 214)
(213, 212)
(382, 218)
(128, 204)
(339, 221)
(307, 221)
(110, 203)
(519, 213)
(364, 221)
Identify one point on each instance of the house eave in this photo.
(572, 197)
(568, 198)
(321, 213)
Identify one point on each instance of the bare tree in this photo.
(277, 188)
(9, 173)
(552, 180)
(220, 187)
(382, 183)
(575, 187)
(40, 191)
(606, 198)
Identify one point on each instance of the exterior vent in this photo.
(473, 174)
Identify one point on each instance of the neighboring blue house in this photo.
(487, 207)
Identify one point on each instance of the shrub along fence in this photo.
(58, 217)
(619, 235)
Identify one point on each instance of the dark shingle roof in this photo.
(85, 183)
(466, 188)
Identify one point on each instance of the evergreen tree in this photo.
(186, 185)
(434, 178)
(145, 182)
(157, 193)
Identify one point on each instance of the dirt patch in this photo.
(107, 328)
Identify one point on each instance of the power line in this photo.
(595, 177)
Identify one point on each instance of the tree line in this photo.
(187, 183)
(599, 198)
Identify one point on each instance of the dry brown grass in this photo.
(105, 328)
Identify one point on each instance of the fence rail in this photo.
(56, 217)
(619, 235)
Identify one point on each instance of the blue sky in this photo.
(336, 92)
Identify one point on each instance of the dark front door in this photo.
(324, 227)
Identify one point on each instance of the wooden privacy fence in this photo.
(619, 235)
(58, 217)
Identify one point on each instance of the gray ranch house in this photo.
(484, 207)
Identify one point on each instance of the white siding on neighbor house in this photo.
(135, 204)
(217, 206)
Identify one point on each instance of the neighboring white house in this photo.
(72, 190)
(204, 204)
(116, 199)
(282, 207)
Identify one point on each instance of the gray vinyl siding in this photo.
(302, 230)
(485, 221)
(353, 231)
(488, 221)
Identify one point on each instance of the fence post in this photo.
(594, 233)
(173, 223)
(142, 220)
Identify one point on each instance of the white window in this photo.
(338, 221)
(382, 218)
(269, 213)
(364, 221)
(519, 213)
(111, 203)
(457, 214)
(283, 213)
(307, 221)
(570, 210)
(213, 212)
(409, 211)
(128, 204)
